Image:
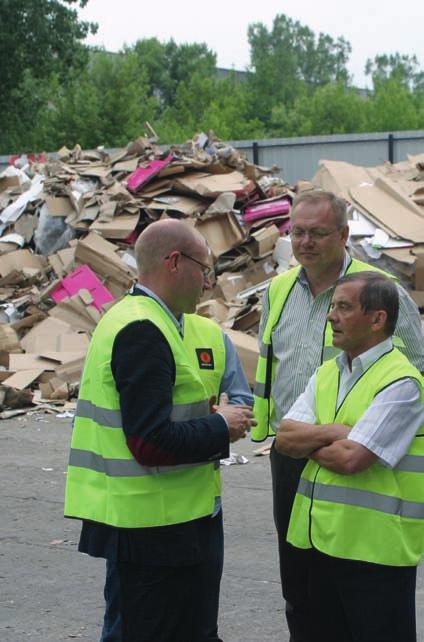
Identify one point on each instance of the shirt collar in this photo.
(365, 360)
(178, 323)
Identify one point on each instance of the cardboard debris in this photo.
(389, 197)
(85, 209)
(222, 232)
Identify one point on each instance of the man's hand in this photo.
(239, 418)
(299, 439)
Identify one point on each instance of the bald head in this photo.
(161, 238)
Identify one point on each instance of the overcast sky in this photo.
(371, 27)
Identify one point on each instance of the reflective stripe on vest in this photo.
(113, 419)
(120, 467)
(362, 498)
(278, 293)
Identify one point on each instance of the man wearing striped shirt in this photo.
(359, 508)
(294, 339)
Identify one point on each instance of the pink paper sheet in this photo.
(83, 279)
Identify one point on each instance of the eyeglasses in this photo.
(314, 235)
(206, 269)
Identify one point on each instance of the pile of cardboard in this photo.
(67, 231)
(387, 214)
(68, 226)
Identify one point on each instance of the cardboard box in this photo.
(222, 232)
(419, 272)
(262, 242)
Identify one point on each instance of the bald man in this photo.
(147, 439)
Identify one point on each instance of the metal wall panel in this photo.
(298, 158)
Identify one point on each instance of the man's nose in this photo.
(331, 315)
(307, 238)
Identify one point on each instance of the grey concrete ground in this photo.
(51, 593)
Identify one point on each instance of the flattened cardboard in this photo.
(390, 209)
(49, 329)
(29, 361)
(19, 260)
(23, 378)
(222, 232)
(212, 185)
(118, 228)
(339, 177)
(58, 205)
(71, 372)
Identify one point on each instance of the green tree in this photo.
(107, 104)
(41, 37)
(168, 64)
(392, 107)
(332, 109)
(401, 68)
(290, 58)
(37, 40)
(205, 103)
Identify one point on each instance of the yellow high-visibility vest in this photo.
(104, 482)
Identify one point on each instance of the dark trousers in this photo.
(294, 562)
(159, 603)
(359, 602)
(112, 623)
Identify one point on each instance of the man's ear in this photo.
(173, 261)
(379, 319)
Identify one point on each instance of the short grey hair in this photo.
(338, 205)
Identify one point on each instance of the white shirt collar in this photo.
(365, 360)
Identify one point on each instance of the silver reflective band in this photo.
(112, 418)
(120, 467)
(411, 464)
(263, 350)
(259, 389)
(362, 498)
(187, 411)
(102, 416)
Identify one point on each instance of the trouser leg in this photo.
(294, 562)
(379, 601)
(207, 585)
(174, 604)
(111, 631)
(360, 602)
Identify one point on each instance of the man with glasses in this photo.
(294, 340)
(147, 439)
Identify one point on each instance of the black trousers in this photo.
(165, 603)
(294, 562)
(359, 602)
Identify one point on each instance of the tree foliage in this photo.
(401, 68)
(59, 92)
(40, 37)
(290, 59)
(168, 64)
(37, 40)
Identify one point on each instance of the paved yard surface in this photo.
(51, 593)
